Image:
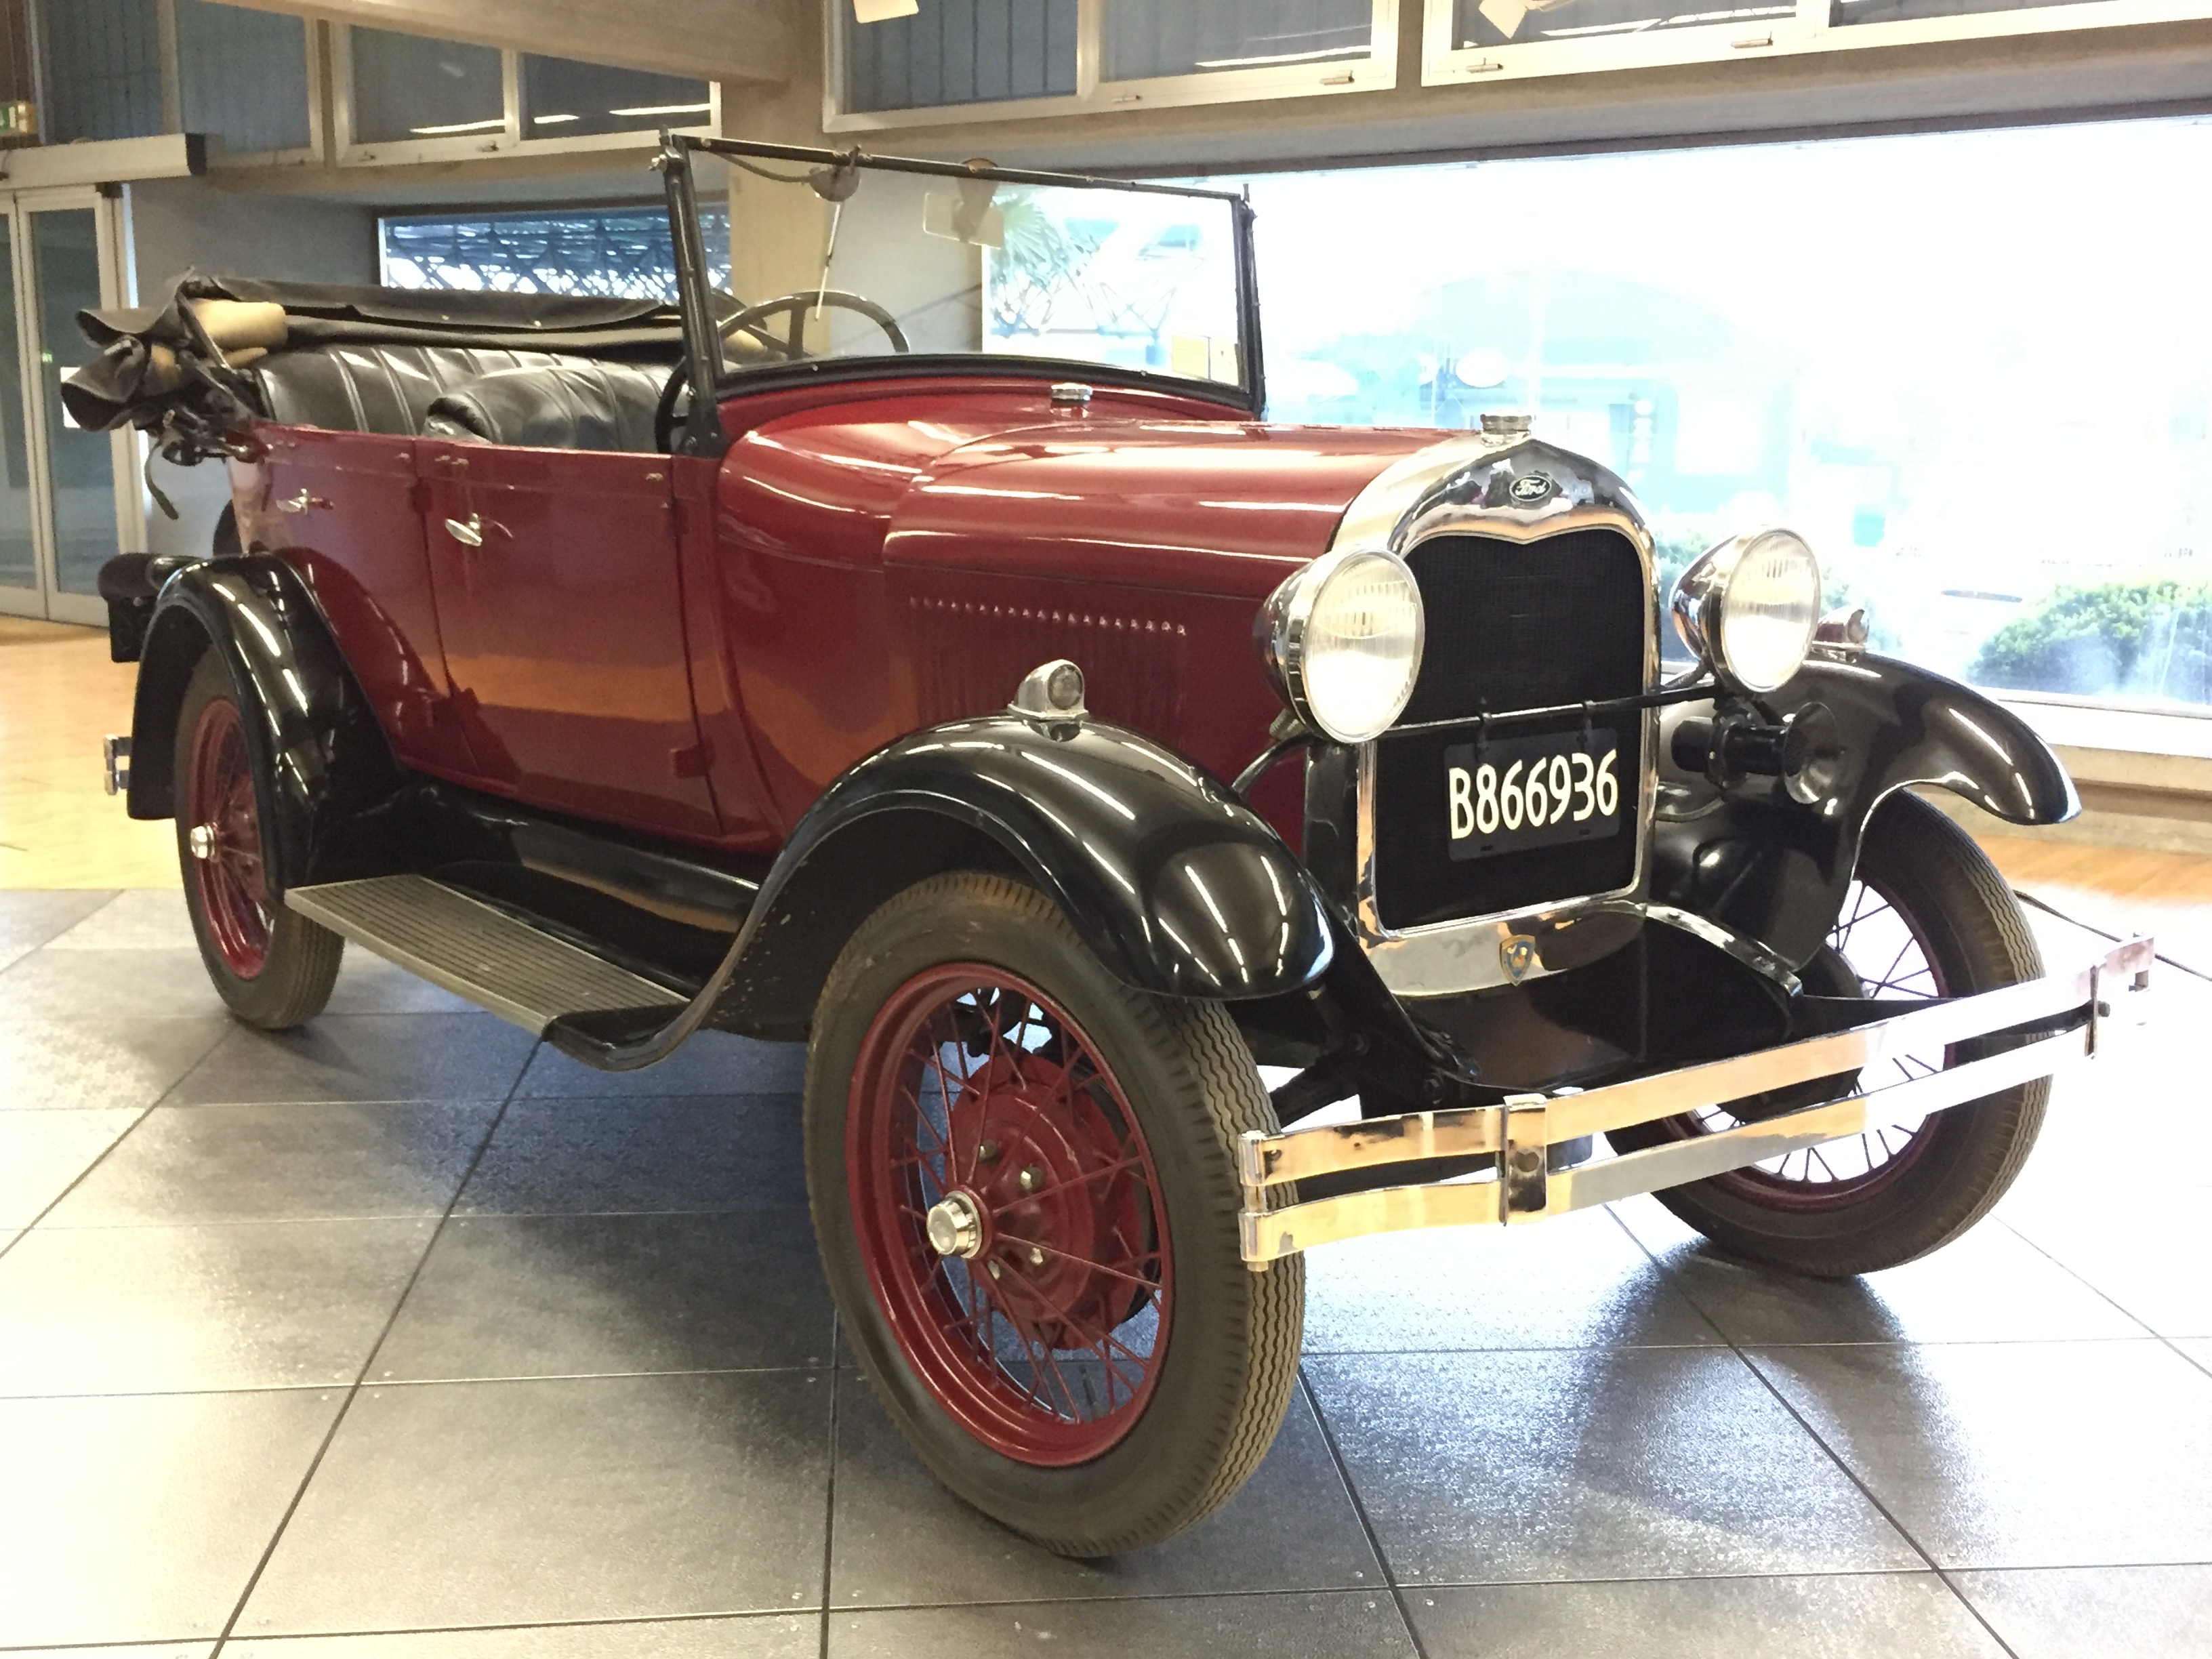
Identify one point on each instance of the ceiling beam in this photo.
(740, 40)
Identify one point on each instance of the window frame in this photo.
(1809, 30)
(506, 140)
(1377, 72)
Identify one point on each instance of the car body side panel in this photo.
(564, 629)
(353, 533)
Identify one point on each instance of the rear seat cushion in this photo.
(576, 402)
(374, 388)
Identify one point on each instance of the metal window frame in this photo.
(1809, 30)
(1377, 72)
(219, 156)
(508, 140)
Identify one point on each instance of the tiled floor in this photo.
(399, 1338)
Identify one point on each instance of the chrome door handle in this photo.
(300, 502)
(470, 531)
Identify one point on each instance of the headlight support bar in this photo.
(1524, 1128)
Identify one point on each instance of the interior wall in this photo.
(182, 224)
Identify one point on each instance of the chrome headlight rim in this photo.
(1283, 628)
(1700, 607)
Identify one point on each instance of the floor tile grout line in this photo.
(829, 1497)
(1360, 1510)
(144, 1112)
(1820, 1440)
(2149, 1330)
(368, 1361)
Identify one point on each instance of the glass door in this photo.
(69, 498)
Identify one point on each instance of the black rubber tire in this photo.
(301, 965)
(1232, 1353)
(1971, 926)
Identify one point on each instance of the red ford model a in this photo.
(876, 665)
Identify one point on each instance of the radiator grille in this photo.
(1509, 626)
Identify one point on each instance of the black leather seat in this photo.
(571, 403)
(375, 388)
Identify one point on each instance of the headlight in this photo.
(1342, 639)
(1749, 606)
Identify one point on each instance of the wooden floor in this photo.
(59, 694)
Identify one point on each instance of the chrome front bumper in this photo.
(1521, 1131)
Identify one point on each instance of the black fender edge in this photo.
(1181, 888)
(323, 766)
(1767, 868)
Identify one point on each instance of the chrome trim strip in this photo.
(1404, 505)
(1266, 1161)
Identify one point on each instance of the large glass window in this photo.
(625, 251)
(103, 68)
(561, 98)
(959, 51)
(1995, 429)
(242, 76)
(19, 553)
(1505, 23)
(1149, 38)
(407, 86)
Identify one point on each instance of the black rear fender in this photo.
(324, 766)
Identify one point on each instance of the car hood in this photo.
(1137, 487)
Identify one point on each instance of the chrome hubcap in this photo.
(956, 1227)
(202, 840)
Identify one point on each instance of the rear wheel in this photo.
(1926, 915)
(1024, 1180)
(272, 966)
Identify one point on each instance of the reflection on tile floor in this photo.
(400, 1339)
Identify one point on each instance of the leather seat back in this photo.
(572, 402)
(375, 388)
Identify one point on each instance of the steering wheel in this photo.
(791, 349)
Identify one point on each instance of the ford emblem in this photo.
(1529, 489)
(1518, 954)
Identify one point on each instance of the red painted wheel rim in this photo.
(1886, 947)
(224, 863)
(970, 1081)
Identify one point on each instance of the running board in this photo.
(497, 960)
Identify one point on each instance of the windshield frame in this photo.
(703, 433)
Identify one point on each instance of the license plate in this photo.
(1507, 795)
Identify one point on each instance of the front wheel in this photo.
(1927, 916)
(272, 966)
(1023, 1175)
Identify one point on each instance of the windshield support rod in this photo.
(702, 432)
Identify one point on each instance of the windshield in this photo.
(863, 257)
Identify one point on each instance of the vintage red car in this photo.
(975, 686)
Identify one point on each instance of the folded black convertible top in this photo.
(155, 361)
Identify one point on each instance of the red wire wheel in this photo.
(1884, 952)
(1007, 1212)
(224, 837)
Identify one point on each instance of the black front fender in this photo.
(324, 765)
(1177, 884)
(1763, 866)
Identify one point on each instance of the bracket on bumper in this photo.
(1524, 1129)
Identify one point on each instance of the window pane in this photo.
(242, 75)
(960, 51)
(18, 556)
(561, 98)
(624, 251)
(407, 87)
(1500, 22)
(1847, 12)
(1995, 431)
(81, 465)
(1145, 38)
(103, 68)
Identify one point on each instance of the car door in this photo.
(559, 599)
(341, 508)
